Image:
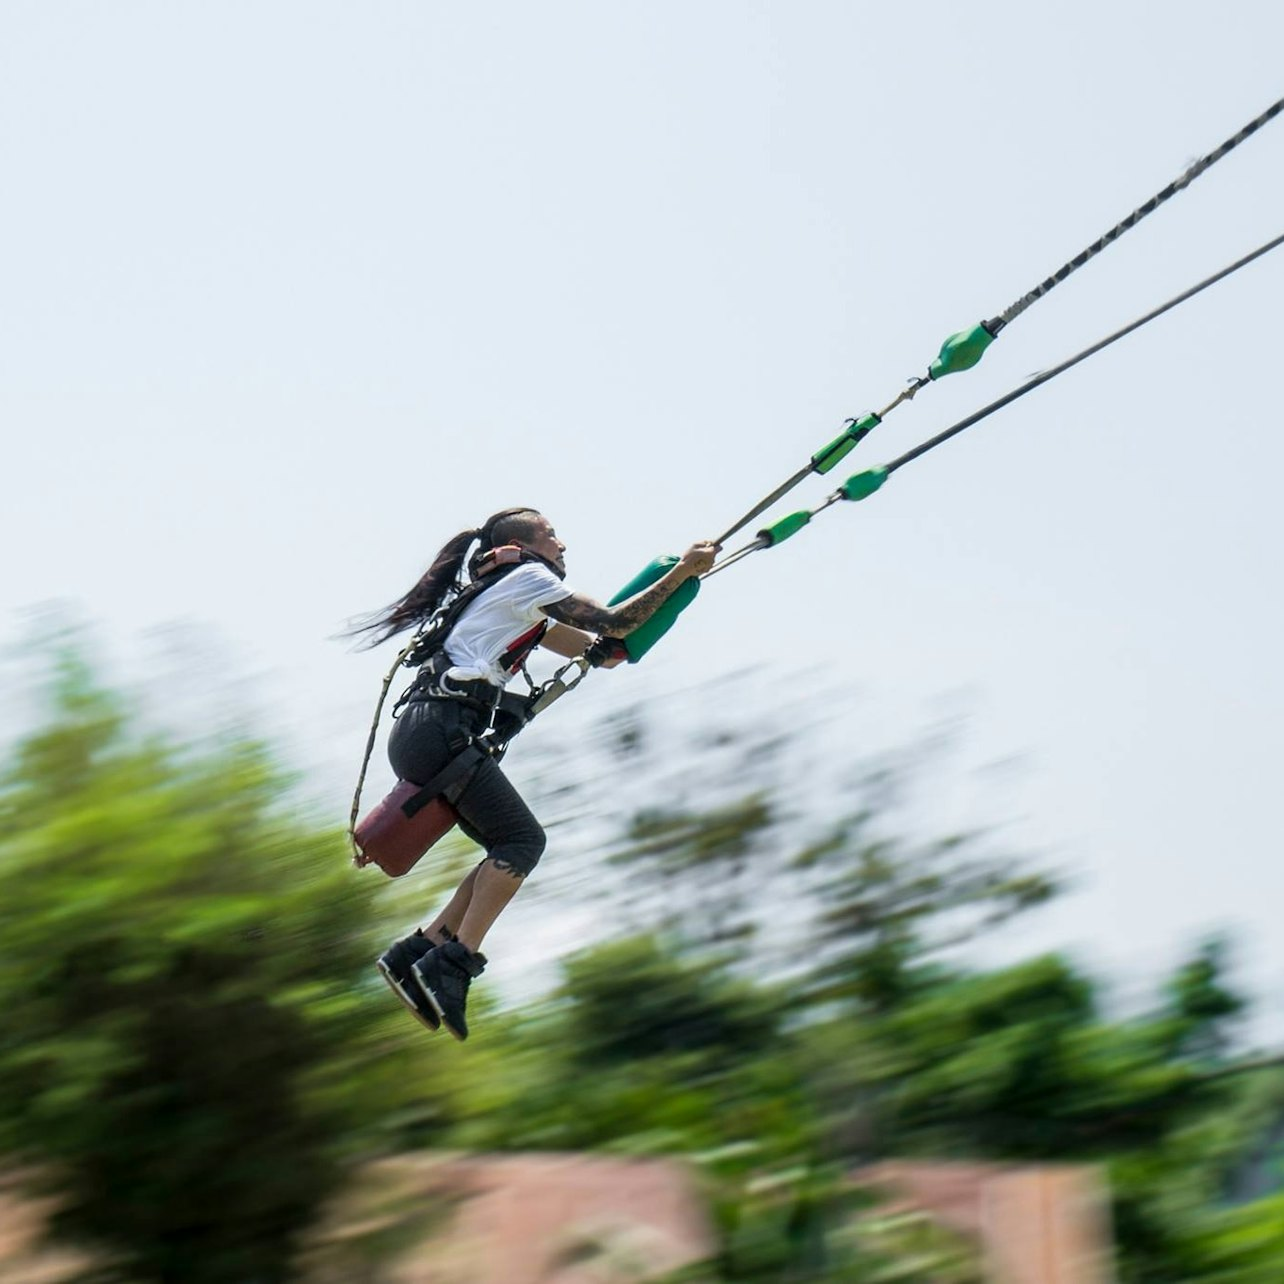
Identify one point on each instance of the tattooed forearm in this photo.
(581, 613)
(584, 613)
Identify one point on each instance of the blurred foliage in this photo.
(812, 1226)
(843, 941)
(195, 1045)
(189, 1043)
(1236, 1246)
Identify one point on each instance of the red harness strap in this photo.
(521, 647)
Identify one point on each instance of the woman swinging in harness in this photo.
(515, 589)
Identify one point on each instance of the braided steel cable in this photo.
(1193, 172)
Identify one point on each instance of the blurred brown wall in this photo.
(1035, 1225)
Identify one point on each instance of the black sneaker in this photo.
(444, 975)
(395, 965)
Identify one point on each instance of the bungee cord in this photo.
(959, 352)
(1046, 375)
(862, 485)
(963, 350)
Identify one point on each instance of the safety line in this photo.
(1012, 312)
(862, 485)
(1045, 375)
(963, 350)
(370, 743)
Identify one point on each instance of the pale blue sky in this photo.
(290, 292)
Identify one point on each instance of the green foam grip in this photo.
(646, 635)
(961, 351)
(780, 531)
(863, 485)
(827, 456)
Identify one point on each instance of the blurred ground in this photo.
(580, 1219)
(429, 1219)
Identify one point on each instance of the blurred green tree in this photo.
(633, 999)
(187, 1034)
(1019, 1063)
(854, 931)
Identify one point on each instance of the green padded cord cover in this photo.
(645, 636)
(961, 351)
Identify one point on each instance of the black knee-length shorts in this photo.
(491, 811)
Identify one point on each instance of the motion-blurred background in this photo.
(943, 835)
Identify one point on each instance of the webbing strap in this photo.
(463, 761)
(521, 647)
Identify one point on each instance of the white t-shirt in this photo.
(497, 619)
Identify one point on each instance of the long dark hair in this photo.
(416, 606)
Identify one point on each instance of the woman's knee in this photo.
(521, 853)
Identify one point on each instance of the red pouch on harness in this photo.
(387, 837)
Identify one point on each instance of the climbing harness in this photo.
(405, 824)
(417, 652)
(402, 827)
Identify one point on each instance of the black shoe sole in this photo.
(415, 1011)
(435, 1004)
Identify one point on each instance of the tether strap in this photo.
(443, 780)
(370, 742)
